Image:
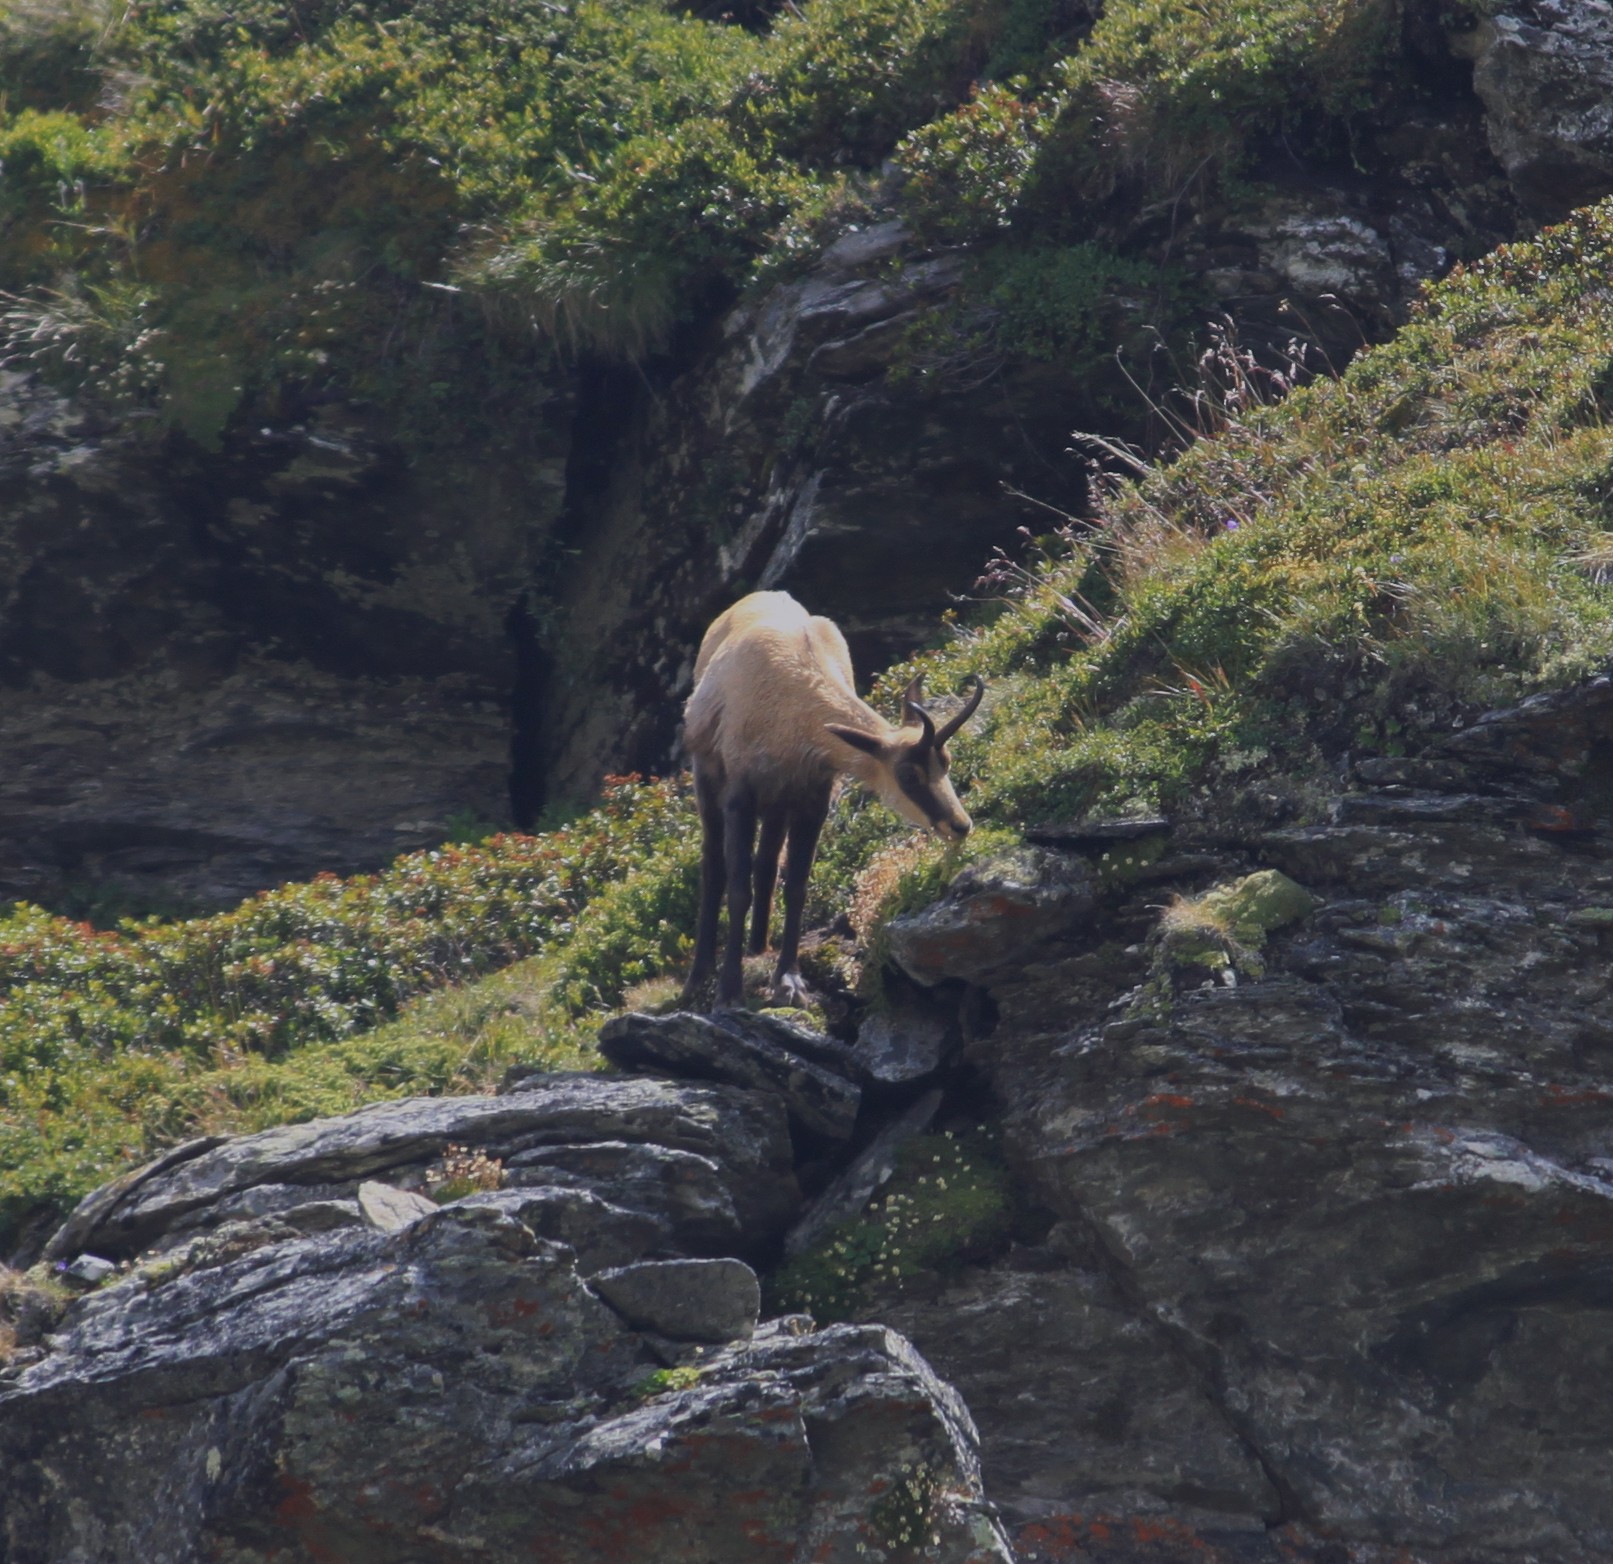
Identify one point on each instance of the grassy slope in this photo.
(1351, 569)
(215, 209)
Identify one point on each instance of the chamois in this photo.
(773, 721)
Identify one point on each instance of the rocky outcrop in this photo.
(1544, 70)
(222, 670)
(308, 1362)
(1328, 1233)
(618, 1169)
(1310, 1260)
(454, 1392)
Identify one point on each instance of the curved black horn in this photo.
(964, 713)
(912, 711)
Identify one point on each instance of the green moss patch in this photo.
(948, 1201)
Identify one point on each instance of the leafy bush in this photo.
(1162, 91)
(966, 169)
(47, 53)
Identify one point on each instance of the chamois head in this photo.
(911, 763)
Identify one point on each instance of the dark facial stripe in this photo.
(921, 795)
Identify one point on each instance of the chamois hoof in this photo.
(791, 989)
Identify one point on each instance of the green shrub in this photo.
(279, 182)
(47, 52)
(1162, 93)
(966, 169)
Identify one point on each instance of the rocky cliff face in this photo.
(1312, 1260)
(197, 649)
(306, 651)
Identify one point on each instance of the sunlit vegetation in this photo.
(212, 209)
(1354, 569)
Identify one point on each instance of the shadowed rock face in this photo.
(218, 672)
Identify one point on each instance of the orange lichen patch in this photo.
(1059, 1537)
(1165, 1100)
(1269, 1108)
(1173, 1532)
(1555, 1096)
(1591, 1224)
(627, 1518)
(512, 1311)
(298, 1505)
(1134, 1539)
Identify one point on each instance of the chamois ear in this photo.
(868, 743)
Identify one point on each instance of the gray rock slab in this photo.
(742, 1135)
(902, 1047)
(387, 1209)
(686, 1194)
(599, 1232)
(697, 1047)
(687, 1300)
(993, 916)
(322, 1216)
(793, 1038)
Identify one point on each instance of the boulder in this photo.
(388, 1209)
(687, 1300)
(1544, 71)
(994, 916)
(900, 1047)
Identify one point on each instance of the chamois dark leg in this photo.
(806, 823)
(767, 851)
(709, 799)
(739, 847)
